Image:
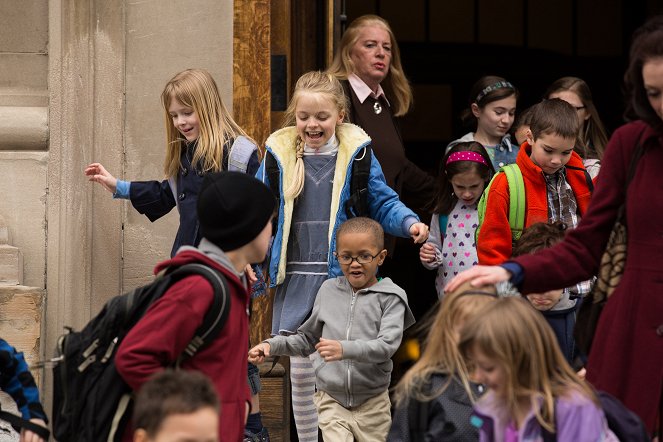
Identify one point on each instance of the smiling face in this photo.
(494, 119)
(468, 186)
(550, 151)
(371, 55)
(652, 77)
(316, 118)
(185, 119)
(358, 245)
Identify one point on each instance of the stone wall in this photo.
(80, 81)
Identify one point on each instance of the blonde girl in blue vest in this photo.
(314, 154)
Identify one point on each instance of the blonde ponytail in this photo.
(297, 184)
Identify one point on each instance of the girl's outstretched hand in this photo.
(257, 354)
(419, 232)
(479, 276)
(96, 172)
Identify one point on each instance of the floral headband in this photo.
(466, 156)
(493, 87)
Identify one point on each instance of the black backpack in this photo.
(356, 205)
(626, 425)
(91, 402)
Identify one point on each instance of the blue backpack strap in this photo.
(240, 154)
(443, 221)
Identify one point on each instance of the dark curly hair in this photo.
(539, 236)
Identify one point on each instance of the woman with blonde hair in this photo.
(434, 398)
(368, 64)
(532, 390)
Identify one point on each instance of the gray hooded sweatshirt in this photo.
(369, 324)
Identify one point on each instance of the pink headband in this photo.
(466, 156)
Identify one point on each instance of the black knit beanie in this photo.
(233, 208)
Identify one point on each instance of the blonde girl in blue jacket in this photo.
(314, 153)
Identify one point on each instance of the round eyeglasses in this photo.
(364, 258)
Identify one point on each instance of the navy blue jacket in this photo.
(154, 199)
(562, 322)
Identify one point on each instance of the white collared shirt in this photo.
(362, 91)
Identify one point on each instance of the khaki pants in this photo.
(369, 422)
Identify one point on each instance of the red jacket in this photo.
(628, 343)
(494, 241)
(169, 324)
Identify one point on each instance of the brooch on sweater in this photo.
(377, 108)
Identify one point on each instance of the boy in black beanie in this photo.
(235, 213)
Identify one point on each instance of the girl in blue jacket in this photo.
(313, 156)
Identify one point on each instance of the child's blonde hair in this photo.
(440, 353)
(515, 335)
(395, 84)
(314, 82)
(195, 88)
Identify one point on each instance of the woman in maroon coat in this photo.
(627, 353)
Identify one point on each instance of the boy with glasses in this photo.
(355, 327)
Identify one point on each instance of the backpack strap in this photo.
(514, 178)
(18, 422)
(240, 154)
(417, 416)
(443, 221)
(588, 177)
(216, 317)
(357, 203)
(517, 202)
(273, 174)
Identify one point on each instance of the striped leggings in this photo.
(302, 379)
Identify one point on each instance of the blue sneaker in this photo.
(261, 436)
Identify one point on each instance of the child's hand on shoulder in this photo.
(329, 349)
(419, 232)
(258, 353)
(427, 253)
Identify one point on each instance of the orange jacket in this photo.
(494, 242)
